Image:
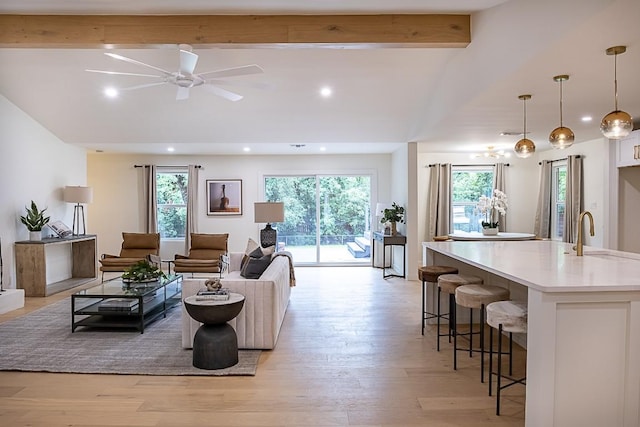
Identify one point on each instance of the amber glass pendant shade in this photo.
(525, 147)
(617, 124)
(561, 137)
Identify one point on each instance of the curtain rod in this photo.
(480, 164)
(170, 166)
(559, 160)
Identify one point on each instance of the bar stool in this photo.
(429, 274)
(476, 296)
(505, 316)
(448, 283)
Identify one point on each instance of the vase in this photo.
(490, 231)
(394, 229)
(35, 236)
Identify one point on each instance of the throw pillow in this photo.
(254, 267)
(251, 246)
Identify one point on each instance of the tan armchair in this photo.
(205, 254)
(135, 247)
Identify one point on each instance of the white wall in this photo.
(34, 165)
(521, 189)
(523, 177)
(117, 204)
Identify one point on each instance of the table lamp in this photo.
(78, 195)
(268, 212)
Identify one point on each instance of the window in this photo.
(468, 183)
(326, 217)
(171, 191)
(558, 195)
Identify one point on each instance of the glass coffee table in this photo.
(117, 304)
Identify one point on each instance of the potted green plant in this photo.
(34, 220)
(392, 216)
(141, 272)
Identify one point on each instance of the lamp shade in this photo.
(268, 212)
(78, 194)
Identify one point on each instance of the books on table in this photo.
(118, 304)
(219, 295)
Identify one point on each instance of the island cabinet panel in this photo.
(34, 270)
(583, 328)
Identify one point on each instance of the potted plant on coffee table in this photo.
(34, 220)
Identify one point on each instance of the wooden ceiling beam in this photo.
(137, 31)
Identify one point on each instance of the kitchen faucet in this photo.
(579, 243)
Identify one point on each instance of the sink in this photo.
(612, 255)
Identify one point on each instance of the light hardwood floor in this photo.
(350, 353)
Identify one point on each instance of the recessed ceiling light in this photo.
(323, 148)
(111, 92)
(586, 118)
(326, 92)
(171, 149)
(246, 149)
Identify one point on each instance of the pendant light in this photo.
(561, 137)
(617, 124)
(525, 147)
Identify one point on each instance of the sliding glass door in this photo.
(326, 217)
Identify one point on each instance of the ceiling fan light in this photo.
(616, 125)
(561, 137)
(524, 148)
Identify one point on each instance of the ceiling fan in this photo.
(185, 78)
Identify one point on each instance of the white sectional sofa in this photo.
(266, 299)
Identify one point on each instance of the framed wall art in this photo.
(224, 197)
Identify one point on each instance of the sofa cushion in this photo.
(254, 267)
(254, 250)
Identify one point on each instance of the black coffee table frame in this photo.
(149, 301)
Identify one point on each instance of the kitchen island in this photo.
(583, 339)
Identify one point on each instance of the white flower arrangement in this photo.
(492, 207)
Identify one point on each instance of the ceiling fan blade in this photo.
(188, 61)
(223, 93)
(143, 86)
(133, 61)
(183, 93)
(235, 71)
(255, 85)
(118, 73)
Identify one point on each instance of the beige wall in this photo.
(117, 190)
(34, 165)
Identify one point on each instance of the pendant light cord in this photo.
(615, 79)
(524, 131)
(561, 103)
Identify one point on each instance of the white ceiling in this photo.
(450, 99)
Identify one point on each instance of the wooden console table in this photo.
(386, 240)
(31, 264)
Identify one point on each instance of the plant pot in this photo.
(490, 231)
(35, 235)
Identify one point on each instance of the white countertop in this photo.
(549, 266)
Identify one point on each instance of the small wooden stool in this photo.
(448, 283)
(476, 296)
(505, 316)
(429, 274)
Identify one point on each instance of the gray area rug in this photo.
(42, 341)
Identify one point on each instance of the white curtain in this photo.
(439, 200)
(573, 201)
(542, 227)
(499, 183)
(150, 198)
(192, 206)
